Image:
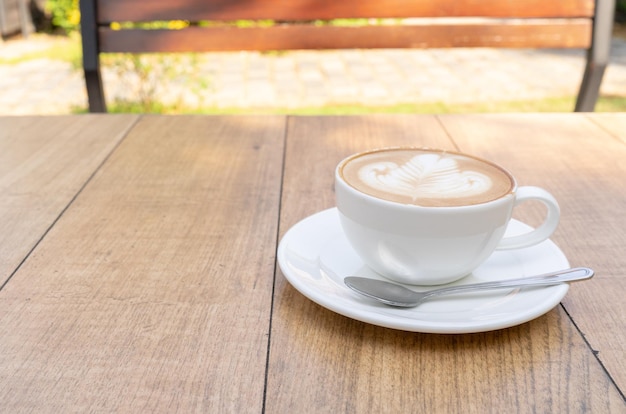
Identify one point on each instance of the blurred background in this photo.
(40, 73)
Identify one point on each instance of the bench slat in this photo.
(565, 34)
(194, 10)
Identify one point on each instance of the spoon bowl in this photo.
(397, 295)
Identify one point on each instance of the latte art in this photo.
(431, 178)
(425, 176)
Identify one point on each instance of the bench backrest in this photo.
(303, 24)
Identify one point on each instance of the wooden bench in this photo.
(581, 24)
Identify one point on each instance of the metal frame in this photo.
(91, 56)
(597, 56)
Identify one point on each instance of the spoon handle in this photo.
(553, 278)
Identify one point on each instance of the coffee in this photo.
(423, 177)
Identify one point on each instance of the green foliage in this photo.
(145, 77)
(65, 14)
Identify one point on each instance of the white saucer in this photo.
(315, 256)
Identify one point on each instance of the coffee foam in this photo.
(426, 178)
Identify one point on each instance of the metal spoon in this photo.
(397, 295)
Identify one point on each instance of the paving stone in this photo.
(308, 78)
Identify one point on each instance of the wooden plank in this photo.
(555, 34)
(44, 162)
(195, 10)
(323, 362)
(587, 177)
(152, 293)
(614, 123)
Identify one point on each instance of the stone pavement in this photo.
(303, 78)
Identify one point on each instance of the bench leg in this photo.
(95, 91)
(91, 56)
(597, 56)
(590, 88)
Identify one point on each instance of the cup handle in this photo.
(542, 232)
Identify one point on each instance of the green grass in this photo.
(605, 104)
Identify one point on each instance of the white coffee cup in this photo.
(429, 217)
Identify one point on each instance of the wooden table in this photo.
(138, 269)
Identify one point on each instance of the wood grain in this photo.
(152, 290)
(194, 10)
(152, 293)
(613, 123)
(559, 33)
(324, 362)
(44, 162)
(582, 165)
